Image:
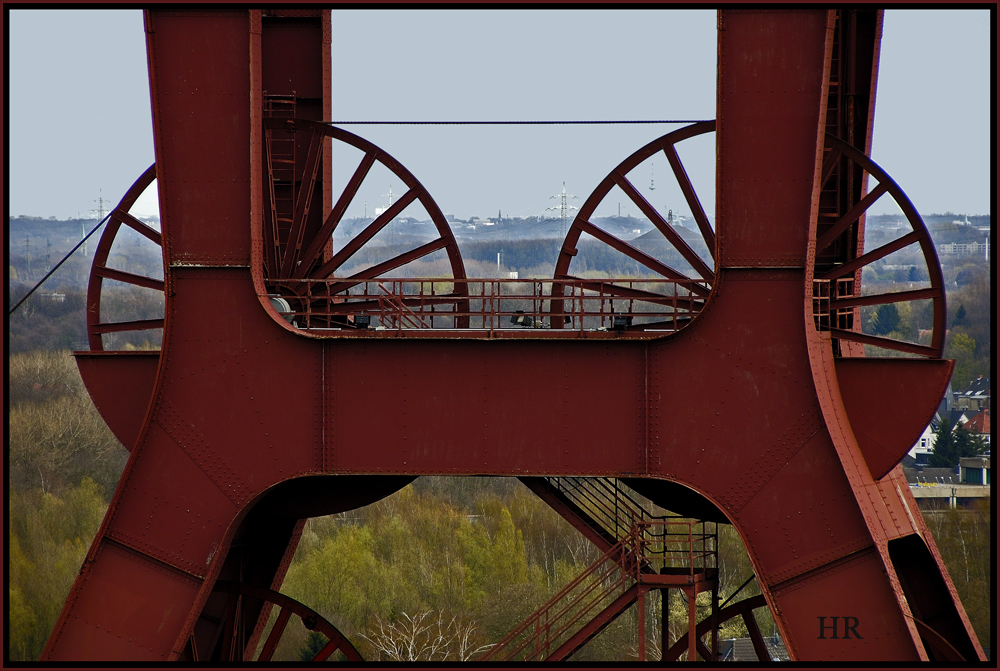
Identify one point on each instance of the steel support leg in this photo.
(692, 597)
(146, 569)
(640, 604)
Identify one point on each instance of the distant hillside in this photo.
(944, 228)
(35, 245)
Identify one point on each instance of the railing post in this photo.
(690, 550)
(538, 637)
(548, 636)
(715, 621)
(640, 603)
(692, 625)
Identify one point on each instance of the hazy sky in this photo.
(80, 127)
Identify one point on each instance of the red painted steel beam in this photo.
(243, 403)
(120, 384)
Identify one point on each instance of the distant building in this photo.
(965, 249)
(980, 425)
(924, 447)
(975, 470)
(941, 488)
(921, 451)
(975, 397)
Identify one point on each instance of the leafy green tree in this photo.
(55, 435)
(953, 443)
(341, 579)
(47, 539)
(959, 319)
(961, 347)
(969, 444)
(886, 319)
(966, 275)
(315, 642)
(944, 454)
(967, 548)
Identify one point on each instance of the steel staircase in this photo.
(600, 508)
(641, 551)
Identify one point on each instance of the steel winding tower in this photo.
(257, 412)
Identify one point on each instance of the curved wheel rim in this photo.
(291, 268)
(839, 309)
(287, 606)
(698, 285)
(744, 609)
(99, 270)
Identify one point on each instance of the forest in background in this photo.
(463, 559)
(54, 317)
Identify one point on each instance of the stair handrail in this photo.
(616, 560)
(625, 564)
(694, 546)
(601, 497)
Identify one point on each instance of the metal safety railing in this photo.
(605, 588)
(492, 304)
(670, 541)
(604, 501)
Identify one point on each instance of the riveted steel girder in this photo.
(746, 406)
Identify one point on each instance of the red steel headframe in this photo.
(252, 427)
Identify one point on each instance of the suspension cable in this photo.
(733, 595)
(64, 259)
(400, 123)
(512, 123)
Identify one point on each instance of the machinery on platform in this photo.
(248, 419)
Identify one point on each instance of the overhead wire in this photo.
(549, 122)
(56, 267)
(576, 122)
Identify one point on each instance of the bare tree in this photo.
(424, 638)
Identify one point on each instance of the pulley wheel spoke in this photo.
(336, 214)
(302, 266)
(697, 211)
(842, 265)
(698, 283)
(288, 606)
(100, 271)
(129, 278)
(136, 325)
(631, 252)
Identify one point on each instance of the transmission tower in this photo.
(563, 208)
(100, 217)
(392, 228)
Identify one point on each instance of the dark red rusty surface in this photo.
(121, 385)
(764, 182)
(876, 389)
(201, 131)
(244, 406)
